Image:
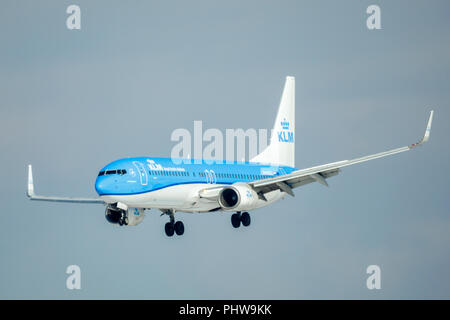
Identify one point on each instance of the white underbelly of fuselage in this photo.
(181, 197)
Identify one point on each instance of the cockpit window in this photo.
(120, 171)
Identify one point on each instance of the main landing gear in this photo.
(172, 227)
(238, 218)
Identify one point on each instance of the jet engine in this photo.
(130, 217)
(238, 197)
(113, 215)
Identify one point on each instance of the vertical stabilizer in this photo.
(281, 150)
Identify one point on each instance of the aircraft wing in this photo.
(32, 196)
(320, 173)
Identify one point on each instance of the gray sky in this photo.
(72, 101)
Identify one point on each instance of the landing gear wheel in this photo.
(169, 228)
(245, 219)
(179, 228)
(236, 220)
(125, 221)
(120, 222)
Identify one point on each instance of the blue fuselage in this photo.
(144, 174)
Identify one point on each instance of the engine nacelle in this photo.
(135, 216)
(130, 217)
(113, 215)
(238, 197)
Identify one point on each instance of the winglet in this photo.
(427, 131)
(30, 190)
(426, 136)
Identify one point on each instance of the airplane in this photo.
(128, 187)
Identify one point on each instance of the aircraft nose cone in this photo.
(100, 186)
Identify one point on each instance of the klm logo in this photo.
(285, 136)
(285, 124)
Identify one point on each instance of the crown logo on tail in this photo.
(285, 124)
